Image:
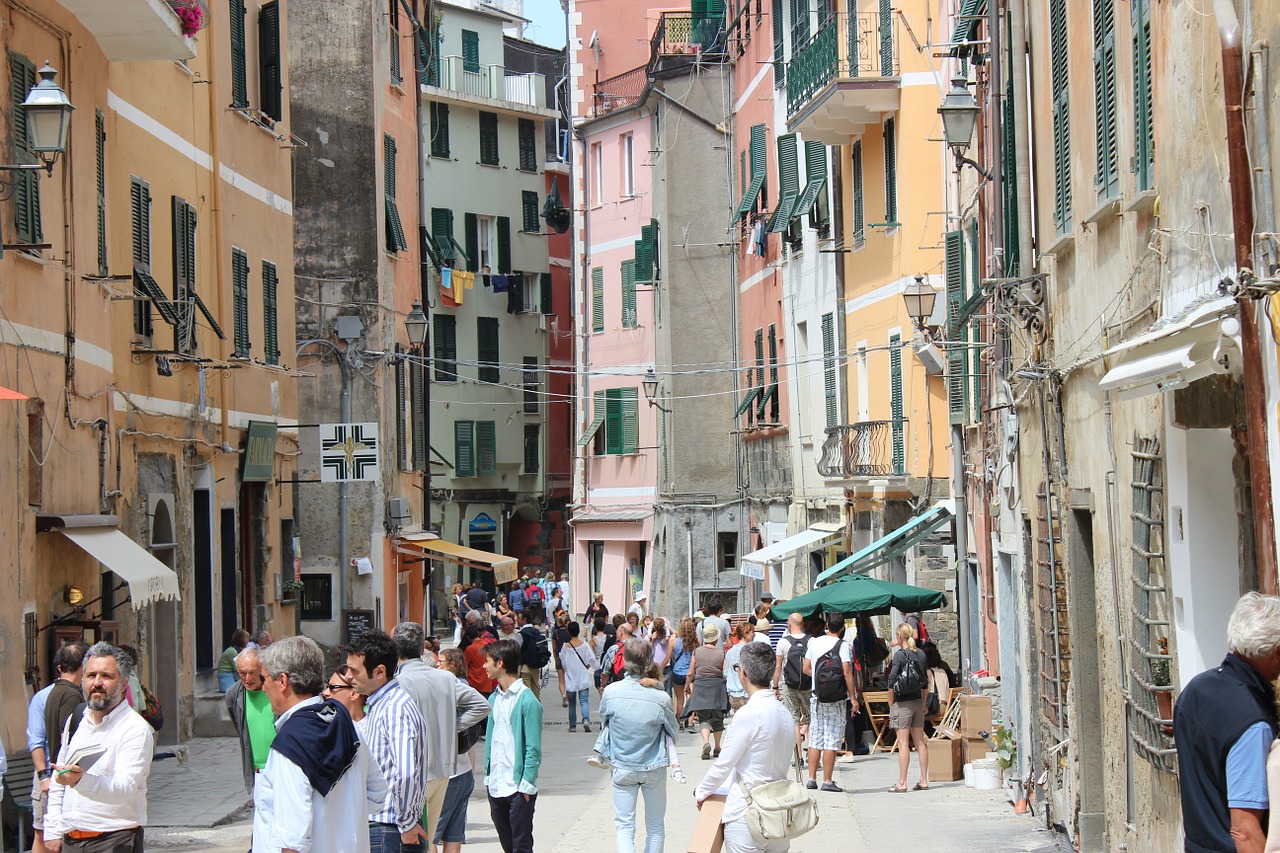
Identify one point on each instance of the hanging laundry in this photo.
(762, 239)
(484, 279)
(500, 284)
(468, 279)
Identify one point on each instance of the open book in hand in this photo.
(84, 757)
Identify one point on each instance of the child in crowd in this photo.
(656, 681)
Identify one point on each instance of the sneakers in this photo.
(586, 727)
(678, 775)
(573, 728)
(833, 787)
(597, 761)
(706, 752)
(811, 784)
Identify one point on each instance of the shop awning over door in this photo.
(505, 569)
(890, 545)
(805, 540)
(149, 579)
(1191, 346)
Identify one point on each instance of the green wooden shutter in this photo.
(489, 139)
(755, 188)
(529, 210)
(402, 444)
(270, 74)
(269, 317)
(532, 447)
(788, 182)
(504, 244)
(957, 352)
(1009, 164)
(629, 403)
(240, 296)
(486, 448)
(464, 448)
(184, 274)
(859, 209)
(428, 57)
(646, 251)
(829, 368)
(100, 154)
(597, 419)
(890, 171)
(471, 236)
(1104, 97)
(417, 414)
(545, 294)
(439, 129)
(1059, 86)
(1143, 101)
(239, 77)
(886, 39)
(895, 404)
(799, 25)
(760, 370)
(629, 318)
(471, 51)
(613, 421)
(773, 371)
(26, 193)
(395, 230)
(597, 299)
(140, 226)
(446, 347)
(528, 146)
(442, 234)
(815, 166)
(393, 40)
(487, 349)
(779, 46)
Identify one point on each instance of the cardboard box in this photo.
(972, 749)
(946, 763)
(708, 832)
(975, 715)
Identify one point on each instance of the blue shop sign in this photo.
(482, 523)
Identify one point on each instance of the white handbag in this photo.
(780, 810)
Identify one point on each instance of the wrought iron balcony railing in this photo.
(620, 92)
(868, 50)
(866, 449)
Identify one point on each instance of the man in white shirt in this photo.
(319, 781)
(102, 808)
(829, 716)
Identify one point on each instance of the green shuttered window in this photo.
(504, 244)
(487, 349)
(184, 274)
(859, 208)
(395, 230)
(528, 145)
(886, 38)
(100, 155)
(26, 193)
(529, 212)
(1104, 97)
(646, 259)
(546, 294)
(270, 321)
(471, 51)
(471, 235)
(532, 447)
(812, 201)
(464, 448)
(1143, 100)
(140, 215)
(418, 414)
(393, 41)
(615, 423)
(895, 404)
(829, 386)
(629, 318)
(1059, 89)
(486, 448)
(240, 298)
(445, 327)
(239, 71)
(779, 46)
(597, 299)
(755, 186)
(788, 182)
(890, 171)
(270, 67)
(439, 114)
(957, 353)
(489, 139)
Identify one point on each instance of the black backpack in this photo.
(793, 665)
(533, 651)
(828, 676)
(910, 680)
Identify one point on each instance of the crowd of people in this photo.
(379, 753)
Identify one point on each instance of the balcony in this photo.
(490, 86)
(679, 39)
(620, 92)
(864, 451)
(846, 76)
(134, 30)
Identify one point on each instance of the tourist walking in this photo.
(534, 655)
(639, 721)
(457, 613)
(745, 632)
(451, 831)
(341, 687)
(445, 709)
(682, 649)
(251, 715)
(576, 667)
(757, 750)
(827, 660)
(396, 736)
(908, 694)
(103, 808)
(560, 636)
(319, 781)
(714, 610)
(790, 681)
(660, 639)
(513, 749)
(227, 661)
(706, 693)
(473, 642)
(596, 608)
(68, 663)
(611, 666)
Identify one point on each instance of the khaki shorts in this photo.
(39, 803)
(908, 714)
(797, 702)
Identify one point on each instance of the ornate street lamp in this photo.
(48, 119)
(920, 298)
(416, 325)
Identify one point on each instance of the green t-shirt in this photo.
(261, 723)
(227, 663)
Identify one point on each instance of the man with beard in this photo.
(102, 808)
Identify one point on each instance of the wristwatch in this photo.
(46, 773)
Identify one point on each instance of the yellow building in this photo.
(143, 283)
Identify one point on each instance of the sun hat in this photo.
(711, 633)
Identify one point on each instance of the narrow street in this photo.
(575, 807)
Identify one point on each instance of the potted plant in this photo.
(290, 589)
(1160, 678)
(1006, 749)
(191, 15)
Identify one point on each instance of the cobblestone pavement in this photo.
(201, 806)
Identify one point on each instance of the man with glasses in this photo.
(250, 710)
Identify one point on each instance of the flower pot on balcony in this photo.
(1164, 707)
(192, 14)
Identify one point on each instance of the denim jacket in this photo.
(639, 719)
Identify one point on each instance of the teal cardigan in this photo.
(526, 727)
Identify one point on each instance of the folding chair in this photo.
(876, 703)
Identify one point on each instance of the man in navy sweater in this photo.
(1224, 724)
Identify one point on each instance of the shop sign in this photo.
(259, 452)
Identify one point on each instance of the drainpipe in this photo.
(424, 271)
(1241, 183)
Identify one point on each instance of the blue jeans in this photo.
(628, 785)
(578, 698)
(225, 680)
(385, 838)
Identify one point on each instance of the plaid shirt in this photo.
(396, 735)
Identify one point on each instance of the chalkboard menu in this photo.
(357, 622)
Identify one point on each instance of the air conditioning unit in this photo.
(397, 512)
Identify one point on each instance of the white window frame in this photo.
(597, 171)
(486, 231)
(627, 147)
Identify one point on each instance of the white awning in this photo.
(148, 578)
(785, 548)
(1175, 354)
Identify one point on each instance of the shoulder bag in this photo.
(781, 810)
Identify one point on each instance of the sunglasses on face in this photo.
(333, 688)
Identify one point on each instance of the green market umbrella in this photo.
(861, 596)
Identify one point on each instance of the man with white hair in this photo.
(1224, 725)
(250, 710)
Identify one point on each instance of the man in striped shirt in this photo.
(396, 735)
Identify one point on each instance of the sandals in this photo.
(898, 789)
(920, 786)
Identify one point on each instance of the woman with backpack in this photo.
(682, 649)
(560, 636)
(908, 691)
